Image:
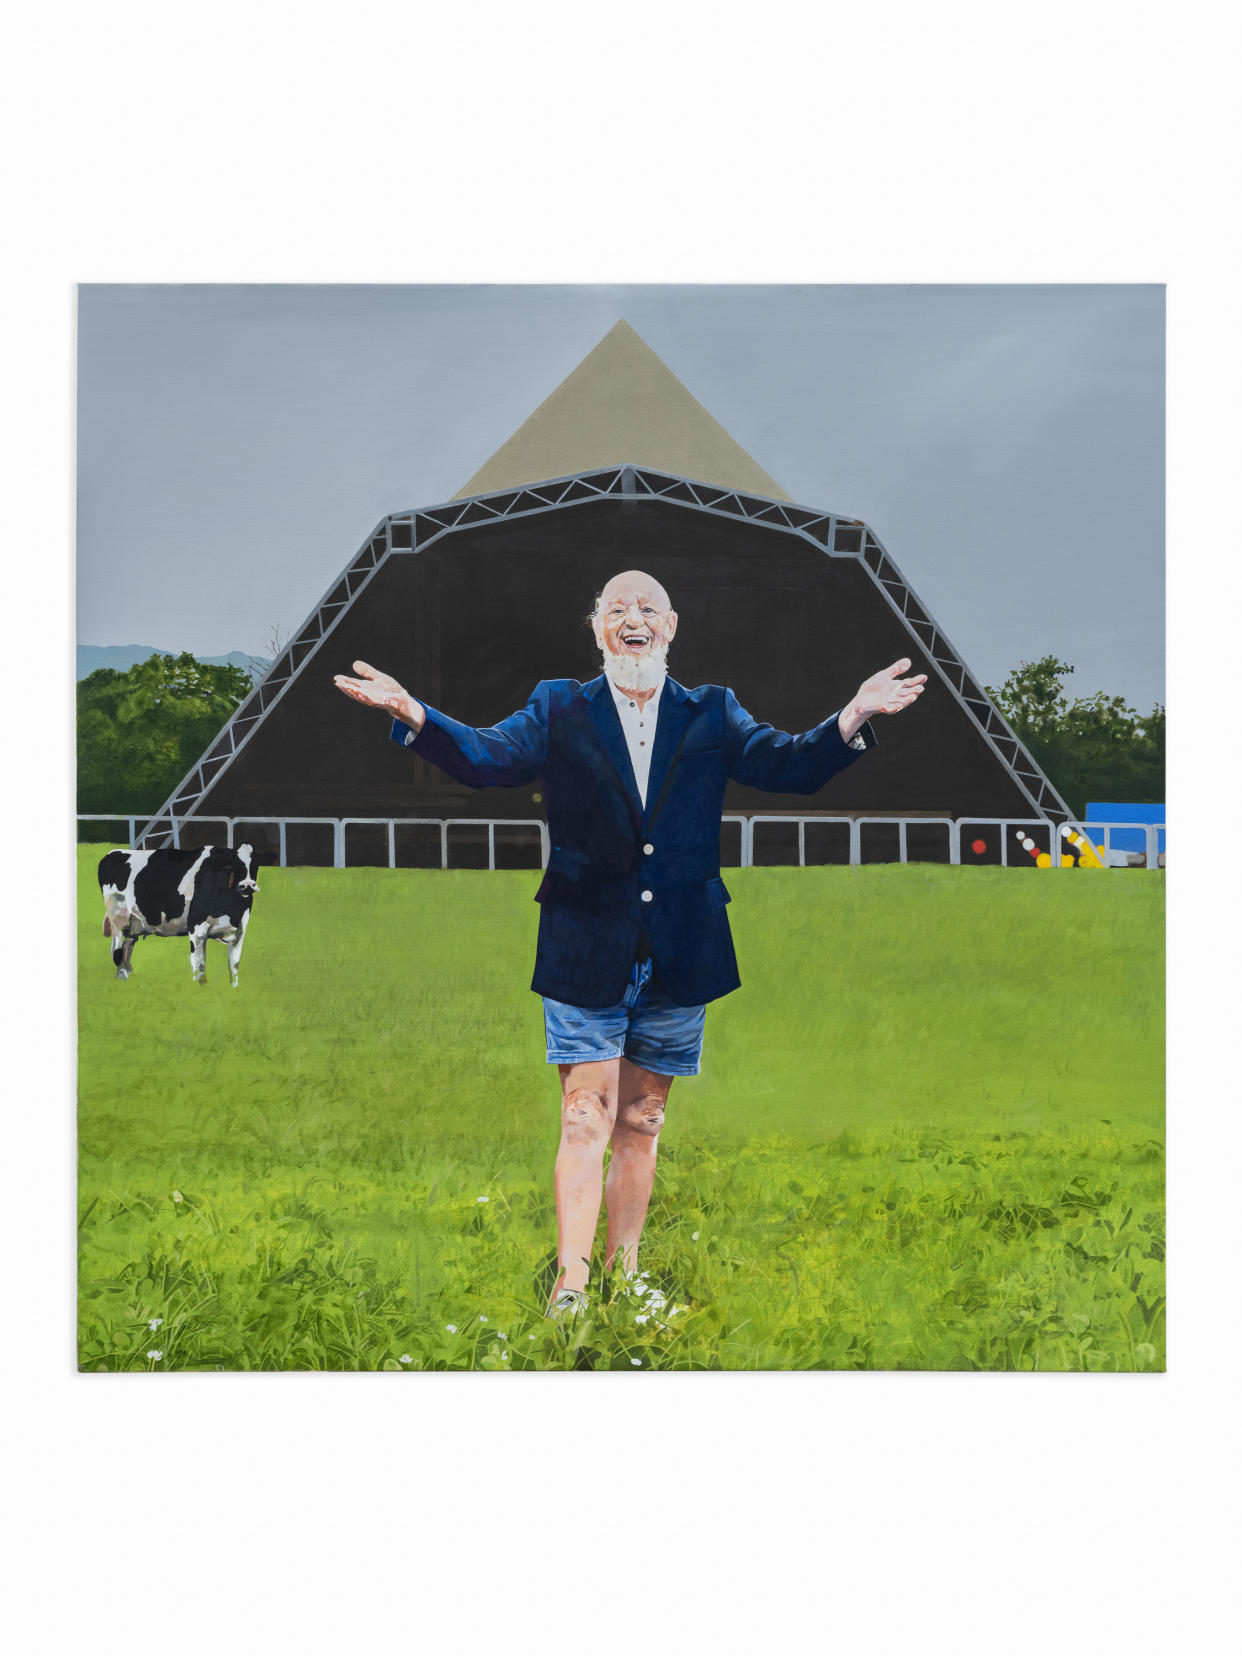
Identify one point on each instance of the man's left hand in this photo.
(883, 692)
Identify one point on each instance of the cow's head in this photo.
(247, 857)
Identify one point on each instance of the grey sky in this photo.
(236, 444)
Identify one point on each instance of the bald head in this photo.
(630, 584)
(634, 623)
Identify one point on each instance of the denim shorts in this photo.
(645, 1027)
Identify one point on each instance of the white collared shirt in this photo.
(638, 725)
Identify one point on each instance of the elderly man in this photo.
(633, 936)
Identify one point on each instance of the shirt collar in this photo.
(623, 698)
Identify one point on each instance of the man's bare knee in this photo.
(644, 1116)
(584, 1117)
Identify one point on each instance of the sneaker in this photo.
(570, 1302)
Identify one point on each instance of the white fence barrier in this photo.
(1010, 848)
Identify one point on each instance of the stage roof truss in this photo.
(414, 531)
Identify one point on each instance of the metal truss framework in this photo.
(407, 533)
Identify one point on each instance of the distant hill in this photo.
(121, 657)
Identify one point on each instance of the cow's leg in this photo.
(116, 918)
(236, 940)
(198, 952)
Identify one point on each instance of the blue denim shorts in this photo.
(645, 1027)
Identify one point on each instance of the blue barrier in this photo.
(1125, 839)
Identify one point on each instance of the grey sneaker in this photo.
(570, 1302)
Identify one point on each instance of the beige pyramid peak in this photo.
(621, 405)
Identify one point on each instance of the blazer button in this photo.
(647, 850)
(646, 896)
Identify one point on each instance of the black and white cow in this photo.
(196, 894)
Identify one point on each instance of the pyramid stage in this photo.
(469, 604)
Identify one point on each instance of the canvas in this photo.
(318, 1124)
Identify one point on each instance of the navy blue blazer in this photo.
(619, 873)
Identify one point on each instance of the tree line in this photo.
(1091, 747)
(140, 732)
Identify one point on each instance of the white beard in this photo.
(644, 672)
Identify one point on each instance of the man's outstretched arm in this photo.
(762, 757)
(504, 755)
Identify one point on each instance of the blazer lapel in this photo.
(671, 723)
(603, 715)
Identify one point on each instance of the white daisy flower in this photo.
(153, 1323)
(155, 1355)
(405, 1357)
(501, 1336)
(481, 1198)
(450, 1328)
(694, 1236)
(177, 1196)
(636, 1362)
(641, 1318)
(482, 1319)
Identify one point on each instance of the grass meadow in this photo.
(928, 1134)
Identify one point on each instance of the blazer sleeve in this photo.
(759, 756)
(503, 755)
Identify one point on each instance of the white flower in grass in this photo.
(177, 1196)
(450, 1328)
(530, 1336)
(153, 1323)
(694, 1236)
(641, 1318)
(636, 1362)
(501, 1336)
(482, 1319)
(481, 1198)
(504, 1356)
(155, 1355)
(405, 1357)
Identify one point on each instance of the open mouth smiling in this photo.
(635, 641)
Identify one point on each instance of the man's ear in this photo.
(672, 624)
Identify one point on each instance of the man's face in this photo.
(634, 618)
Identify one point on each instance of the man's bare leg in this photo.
(588, 1111)
(642, 1095)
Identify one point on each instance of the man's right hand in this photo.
(376, 689)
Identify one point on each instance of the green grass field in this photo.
(928, 1134)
